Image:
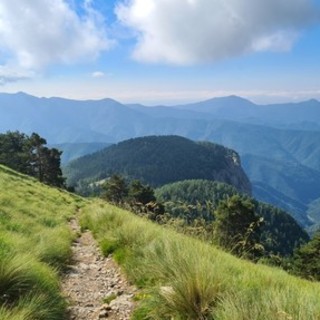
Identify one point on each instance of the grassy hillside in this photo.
(158, 160)
(180, 277)
(186, 279)
(34, 246)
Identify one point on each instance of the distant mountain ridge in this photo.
(282, 133)
(65, 121)
(279, 115)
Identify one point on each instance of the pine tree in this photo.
(139, 193)
(306, 259)
(116, 189)
(29, 155)
(37, 156)
(237, 227)
(52, 173)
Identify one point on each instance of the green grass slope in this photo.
(180, 277)
(184, 278)
(35, 243)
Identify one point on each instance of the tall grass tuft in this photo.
(35, 242)
(185, 279)
(29, 284)
(189, 288)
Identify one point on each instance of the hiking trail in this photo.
(94, 285)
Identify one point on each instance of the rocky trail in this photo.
(94, 285)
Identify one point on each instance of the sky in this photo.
(161, 51)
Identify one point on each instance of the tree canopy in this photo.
(29, 155)
(198, 199)
(118, 190)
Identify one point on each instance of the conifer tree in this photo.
(116, 189)
(306, 259)
(139, 193)
(237, 227)
(30, 155)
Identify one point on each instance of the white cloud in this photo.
(10, 74)
(98, 74)
(192, 31)
(38, 33)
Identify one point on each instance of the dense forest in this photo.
(158, 160)
(198, 199)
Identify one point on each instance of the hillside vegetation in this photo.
(198, 199)
(34, 246)
(180, 277)
(184, 278)
(158, 160)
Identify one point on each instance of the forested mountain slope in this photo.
(158, 160)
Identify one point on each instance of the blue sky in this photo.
(161, 51)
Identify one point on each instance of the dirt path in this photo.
(92, 279)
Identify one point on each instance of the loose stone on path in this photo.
(91, 280)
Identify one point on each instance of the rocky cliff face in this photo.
(233, 174)
(159, 160)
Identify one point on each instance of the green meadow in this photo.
(180, 278)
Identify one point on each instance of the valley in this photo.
(278, 144)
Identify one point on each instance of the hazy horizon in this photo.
(161, 52)
(147, 103)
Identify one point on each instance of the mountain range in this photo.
(279, 144)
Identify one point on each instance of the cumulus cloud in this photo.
(192, 31)
(37, 33)
(98, 74)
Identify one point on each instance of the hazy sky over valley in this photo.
(161, 51)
